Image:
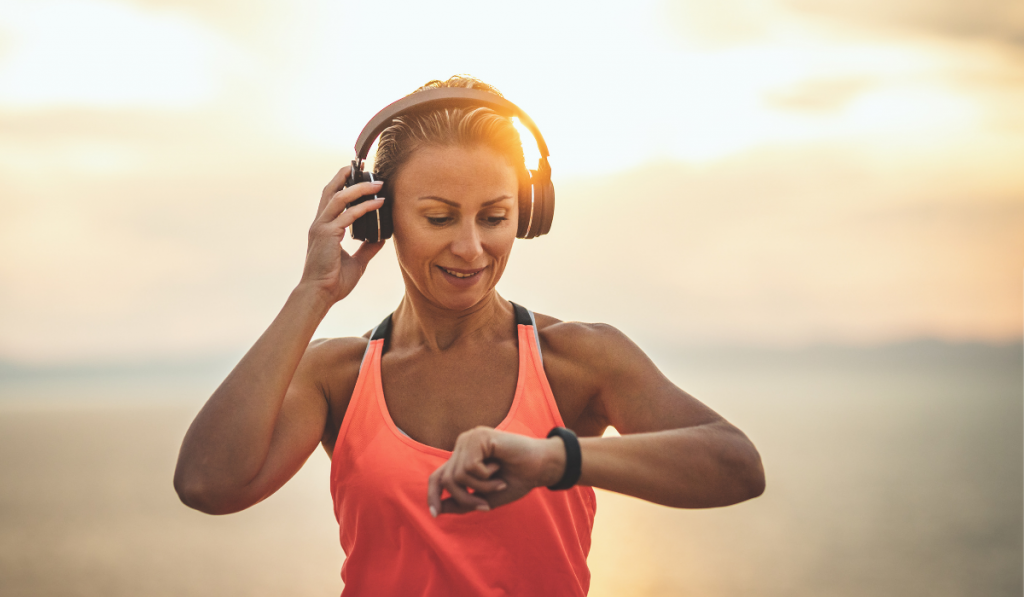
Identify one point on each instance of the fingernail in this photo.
(377, 182)
(433, 512)
(483, 508)
(501, 486)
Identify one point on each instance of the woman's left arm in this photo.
(673, 450)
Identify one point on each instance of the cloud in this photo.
(994, 20)
(731, 23)
(819, 94)
(257, 26)
(722, 24)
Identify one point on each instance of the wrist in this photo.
(554, 461)
(313, 297)
(572, 458)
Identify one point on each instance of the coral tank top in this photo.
(537, 545)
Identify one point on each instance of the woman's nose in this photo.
(467, 245)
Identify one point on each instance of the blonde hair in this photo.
(449, 127)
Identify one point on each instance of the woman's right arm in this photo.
(266, 418)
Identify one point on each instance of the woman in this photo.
(445, 477)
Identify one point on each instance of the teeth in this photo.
(458, 275)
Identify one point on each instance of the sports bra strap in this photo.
(383, 329)
(523, 317)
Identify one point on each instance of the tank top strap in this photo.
(361, 416)
(525, 316)
(539, 411)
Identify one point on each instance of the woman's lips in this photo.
(462, 278)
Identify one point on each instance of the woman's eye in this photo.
(495, 220)
(438, 220)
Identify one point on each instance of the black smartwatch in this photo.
(573, 458)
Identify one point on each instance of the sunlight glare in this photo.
(531, 153)
(107, 54)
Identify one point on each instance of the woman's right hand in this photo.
(330, 269)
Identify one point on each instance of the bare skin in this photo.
(450, 371)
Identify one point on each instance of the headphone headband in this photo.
(444, 97)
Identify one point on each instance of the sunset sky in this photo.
(743, 172)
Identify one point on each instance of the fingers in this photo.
(434, 492)
(340, 200)
(468, 476)
(458, 485)
(470, 465)
(484, 469)
(337, 226)
(450, 506)
(460, 500)
(482, 489)
(478, 485)
(333, 187)
(365, 253)
(345, 217)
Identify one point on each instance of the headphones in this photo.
(536, 197)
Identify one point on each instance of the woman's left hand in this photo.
(490, 468)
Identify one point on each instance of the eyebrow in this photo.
(454, 204)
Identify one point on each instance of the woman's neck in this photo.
(417, 322)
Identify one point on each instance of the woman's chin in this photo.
(461, 299)
(461, 302)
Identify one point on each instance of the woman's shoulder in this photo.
(336, 351)
(582, 361)
(595, 346)
(330, 367)
(332, 364)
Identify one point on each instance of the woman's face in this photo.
(455, 216)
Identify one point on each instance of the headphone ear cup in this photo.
(525, 207)
(376, 225)
(387, 225)
(546, 206)
(536, 206)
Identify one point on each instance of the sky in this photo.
(742, 172)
